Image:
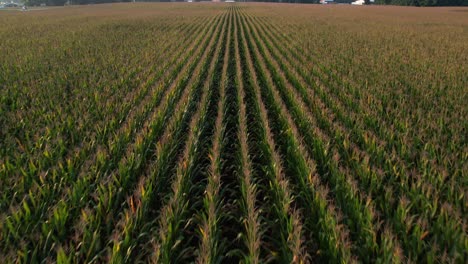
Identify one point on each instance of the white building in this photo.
(361, 2)
(358, 2)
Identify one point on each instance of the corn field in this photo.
(234, 133)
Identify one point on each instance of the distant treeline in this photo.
(388, 2)
(70, 2)
(424, 2)
(379, 2)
